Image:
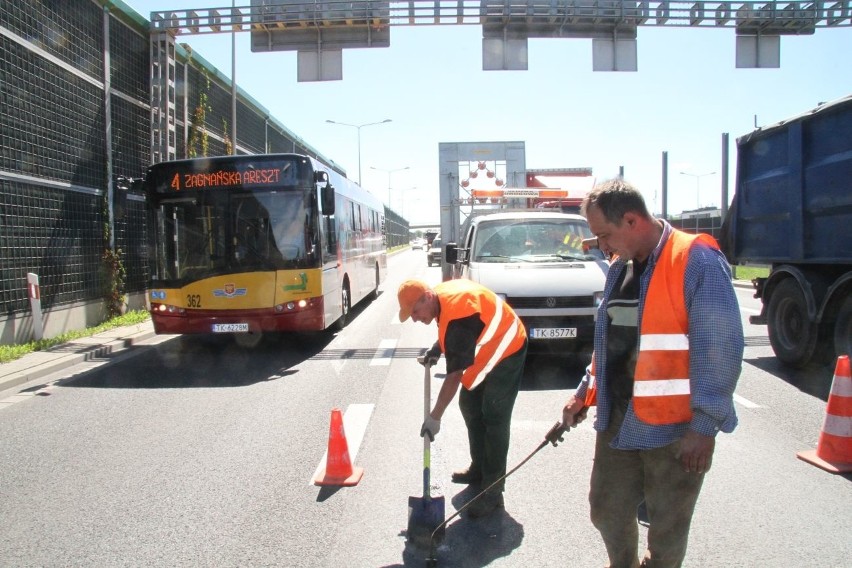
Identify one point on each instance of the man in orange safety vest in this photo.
(668, 354)
(485, 345)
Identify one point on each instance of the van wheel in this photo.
(792, 335)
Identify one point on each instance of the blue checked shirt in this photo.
(715, 351)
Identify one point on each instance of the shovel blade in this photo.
(424, 516)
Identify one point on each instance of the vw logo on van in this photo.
(550, 302)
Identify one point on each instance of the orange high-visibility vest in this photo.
(591, 398)
(661, 380)
(502, 336)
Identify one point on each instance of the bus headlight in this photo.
(167, 309)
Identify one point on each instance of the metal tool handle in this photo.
(427, 458)
(553, 436)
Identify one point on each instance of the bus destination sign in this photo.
(227, 178)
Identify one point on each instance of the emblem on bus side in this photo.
(301, 285)
(229, 291)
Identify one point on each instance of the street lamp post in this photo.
(403, 193)
(389, 172)
(697, 185)
(358, 127)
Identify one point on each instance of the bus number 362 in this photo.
(193, 301)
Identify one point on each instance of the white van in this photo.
(537, 262)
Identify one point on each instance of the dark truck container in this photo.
(793, 211)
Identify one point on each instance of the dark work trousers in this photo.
(487, 412)
(621, 479)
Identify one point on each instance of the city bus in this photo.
(259, 243)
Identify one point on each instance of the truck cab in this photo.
(537, 262)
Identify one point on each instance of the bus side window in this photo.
(331, 236)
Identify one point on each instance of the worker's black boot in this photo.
(485, 505)
(467, 476)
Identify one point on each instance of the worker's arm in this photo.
(573, 412)
(460, 346)
(446, 394)
(716, 349)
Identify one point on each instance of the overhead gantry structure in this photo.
(319, 31)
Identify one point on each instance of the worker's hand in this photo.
(429, 358)
(573, 413)
(430, 428)
(696, 452)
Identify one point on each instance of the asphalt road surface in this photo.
(189, 452)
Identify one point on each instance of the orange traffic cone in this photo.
(834, 448)
(338, 467)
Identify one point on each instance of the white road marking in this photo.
(384, 354)
(338, 365)
(745, 402)
(355, 421)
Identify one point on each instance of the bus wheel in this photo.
(375, 293)
(347, 306)
(843, 330)
(792, 335)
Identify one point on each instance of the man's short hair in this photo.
(615, 197)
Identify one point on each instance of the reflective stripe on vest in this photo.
(661, 393)
(503, 335)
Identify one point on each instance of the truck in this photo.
(430, 236)
(792, 211)
(540, 263)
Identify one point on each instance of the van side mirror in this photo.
(327, 198)
(452, 253)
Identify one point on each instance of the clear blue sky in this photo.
(430, 83)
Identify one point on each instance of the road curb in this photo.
(39, 364)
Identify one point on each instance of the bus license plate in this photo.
(553, 332)
(230, 328)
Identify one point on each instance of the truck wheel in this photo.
(792, 335)
(843, 330)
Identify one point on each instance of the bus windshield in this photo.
(207, 232)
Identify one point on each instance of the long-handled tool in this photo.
(426, 514)
(553, 436)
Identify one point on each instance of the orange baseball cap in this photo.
(409, 292)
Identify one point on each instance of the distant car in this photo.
(435, 253)
(418, 244)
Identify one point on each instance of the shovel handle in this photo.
(427, 457)
(427, 393)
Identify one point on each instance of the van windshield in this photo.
(532, 240)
